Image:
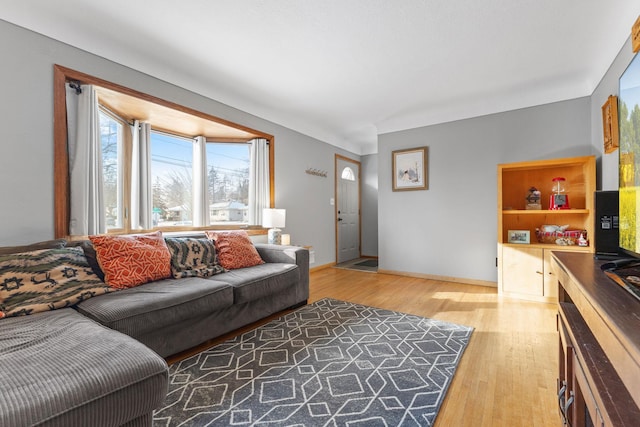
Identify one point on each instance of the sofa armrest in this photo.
(289, 255)
(283, 254)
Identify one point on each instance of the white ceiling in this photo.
(344, 71)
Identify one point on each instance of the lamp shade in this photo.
(273, 218)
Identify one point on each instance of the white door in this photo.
(347, 209)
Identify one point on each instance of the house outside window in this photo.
(172, 180)
(228, 182)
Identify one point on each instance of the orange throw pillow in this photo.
(235, 249)
(129, 261)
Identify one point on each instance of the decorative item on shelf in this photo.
(518, 236)
(273, 219)
(582, 240)
(533, 199)
(561, 235)
(286, 239)
(316, 172)
(610, 124)
(559, 199)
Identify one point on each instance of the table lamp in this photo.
(273, 219)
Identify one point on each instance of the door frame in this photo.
(337, 203)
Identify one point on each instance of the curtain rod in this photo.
(74, 84)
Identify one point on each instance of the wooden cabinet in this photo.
(599, 345)
(526, 272)
(524, 269)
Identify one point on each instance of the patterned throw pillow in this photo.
(191, 257)
(46, 279)
(235, 249)
(129, 261)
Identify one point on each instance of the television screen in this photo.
(629, 161)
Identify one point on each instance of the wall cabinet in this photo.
(524, 269)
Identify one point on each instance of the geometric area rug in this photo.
(330, 363)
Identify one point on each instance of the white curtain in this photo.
(259, 190)
(141, 197)
(87, 212)
(200, 193)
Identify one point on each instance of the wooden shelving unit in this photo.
(524, 269)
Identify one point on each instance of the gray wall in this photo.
(26, 150)
(451, 228)
(369, 182)
(448, 230)
(608, 163)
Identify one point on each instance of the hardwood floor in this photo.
(507, 375)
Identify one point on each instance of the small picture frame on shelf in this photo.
(519, 236)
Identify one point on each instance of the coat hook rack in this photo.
(316, 172)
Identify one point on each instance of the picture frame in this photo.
(519, 236)
(409, 169)
(610, 124)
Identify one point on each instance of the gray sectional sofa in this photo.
(173, 315)
(100, 363)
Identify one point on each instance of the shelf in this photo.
(545, 212)
(551, 246)
(520, 264)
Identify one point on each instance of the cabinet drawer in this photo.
(585, 411)
(565, 371)
(566, 351)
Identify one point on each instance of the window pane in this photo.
(347, 174)
(228, 182)
(172, 177)
(111, 140)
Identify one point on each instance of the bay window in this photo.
(172, 180)
(164, 166)
(228, 182)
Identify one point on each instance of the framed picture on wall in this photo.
(409, 169)
(610, 124)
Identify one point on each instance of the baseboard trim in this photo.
(321, 267)
(474, 282)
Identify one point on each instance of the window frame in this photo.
(62, 75)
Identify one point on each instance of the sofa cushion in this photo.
(47, 279)
(48, 244)
(152, 306)
(260, 281)
(129, 261)
(60, 368)
(92, 257)
(192, 257)
(235, 249)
